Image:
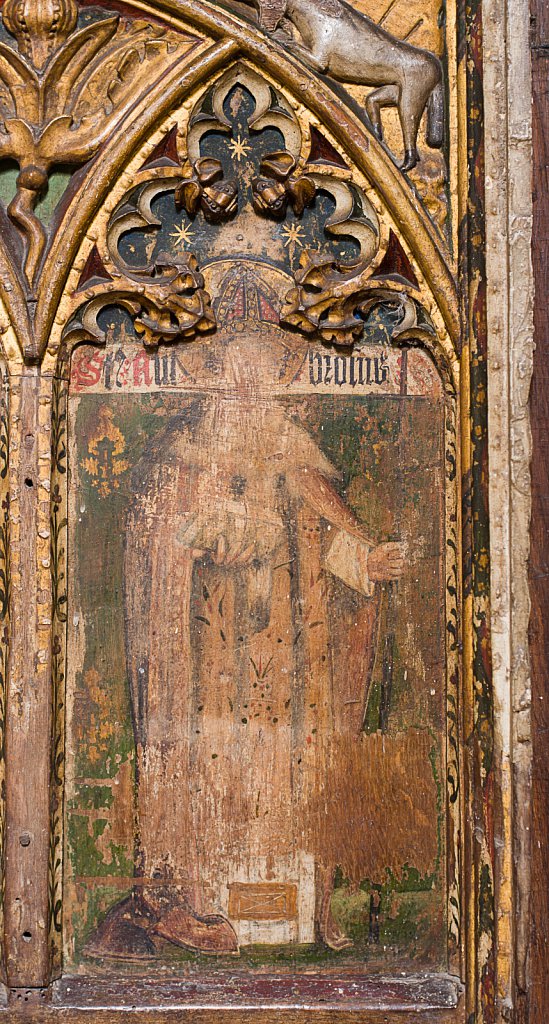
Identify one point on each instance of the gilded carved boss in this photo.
(339, 41)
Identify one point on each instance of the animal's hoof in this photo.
(411, 158)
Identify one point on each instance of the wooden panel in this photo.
(245, 567)
(241, 507)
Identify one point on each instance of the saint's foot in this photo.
(211, 934)
(327, 929)
(334, 937)
(123, 934)
(177, 921)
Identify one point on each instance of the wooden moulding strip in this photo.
(240, 988)
(50, 1015)
(538, 983)
(28, 724)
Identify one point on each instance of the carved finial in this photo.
(40, 26)
(279, 186)
(207, 189)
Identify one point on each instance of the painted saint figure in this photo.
(251, 610)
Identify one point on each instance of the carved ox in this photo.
(339, 41)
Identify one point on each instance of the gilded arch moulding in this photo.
(232, 37)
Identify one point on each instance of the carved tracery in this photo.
(331, 297)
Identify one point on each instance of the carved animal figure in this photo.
(339, 41)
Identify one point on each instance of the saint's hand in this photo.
(386, 562)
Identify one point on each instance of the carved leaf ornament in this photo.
(332, 299)
(168, 305)
(62, 93)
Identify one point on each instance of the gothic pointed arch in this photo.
(252, 315)
(181, 61)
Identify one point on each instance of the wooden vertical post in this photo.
(28, 727)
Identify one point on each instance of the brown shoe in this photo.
(176, 921)
(123, 934)
(211, 934)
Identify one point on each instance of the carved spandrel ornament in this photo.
(336, 39)
(397, 79)
(63, 90)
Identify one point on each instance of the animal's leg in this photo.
(387, 96)
(413, 99)
(315, 61)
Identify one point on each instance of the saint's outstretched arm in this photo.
(352, 557)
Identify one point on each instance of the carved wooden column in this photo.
(28, 720)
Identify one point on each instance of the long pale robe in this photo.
(250, 624)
